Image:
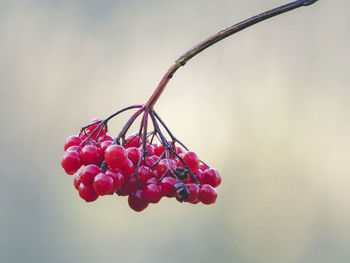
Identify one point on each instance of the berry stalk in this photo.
(182, 60)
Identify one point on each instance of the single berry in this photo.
(105, 138)
(77, 181)
(193, 189)
(103, 184)
(143, 174)
(90, 154)
(129, 186)
(207, 194)
(87, 175)
(128, 168)
(136, 201)
(151, 193)
(158, 149)
(212, 176)
(203, 167)
(191, 159)
(115, 156)
(104, 145)
(134, 154)
(88, 193)
(167, 186)
(118, 179)
(71, 141)
(71, 162)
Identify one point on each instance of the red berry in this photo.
(128, 168)
(134, 154)
(73, 149)
(71, 162)
(77, 181)
(87, 175)
(191, 159)
(103, 184)
(143, 174)
(203, 167)
(90, 154)
(152, 180)
(118, 179)
(199, 176)
(105, 138)
(167, 186)
(194, 193)
(90, 129)
(104, 145)
(150, 149)
(151, 193)
(133, 140)
(207, 194)
(115, 156)
(212, 176)
(72, 141)
(136, 201)
(129, 186)
(158, 149)
(87, 193)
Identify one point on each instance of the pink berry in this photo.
(136, 201)
(207, 194)
(71, 162)
(103, 184)
(87, 193)
(87, 175)
(151, 193)
(90, 154)
(115, 156)
(71, 141)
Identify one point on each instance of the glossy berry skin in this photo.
(151, 193)
(212, 177)
(87, 193)
(143, 174)
(133, 141)
(104, 138)
(115, 156)
(134, 154)
(90, 129)
(153, 180)
(128, 168)
(71, 162)
(104, 145)
(118, 179)
(136, 201)
(194, 193)
(87, 175)
(103, 184)
(71, 141)
(203, 167)
(90, 154)
(77, 181)
(167, 186)
(192, 160)
(158, 149)
(207, 194)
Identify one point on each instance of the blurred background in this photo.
(268, 107)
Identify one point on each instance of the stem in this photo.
(182, 60)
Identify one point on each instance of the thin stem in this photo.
(182, 60)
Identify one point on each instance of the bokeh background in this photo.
(268, 107)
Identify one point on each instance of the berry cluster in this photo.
(137, 167)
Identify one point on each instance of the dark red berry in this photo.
(90, 154)
(105, 138)
(151, 193)
(193, 189)
(133, 140)
(103, 184)
(87, 193)
(72, 141)
(158, 149)
(102, 129)
(207, 194)
(129, 186)
(136, 201)
(71, 162)
(203, 167)
(77, 181)
(104, 145)
(167, 186)
(128, 168)
(143, 174)
(115, 156)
